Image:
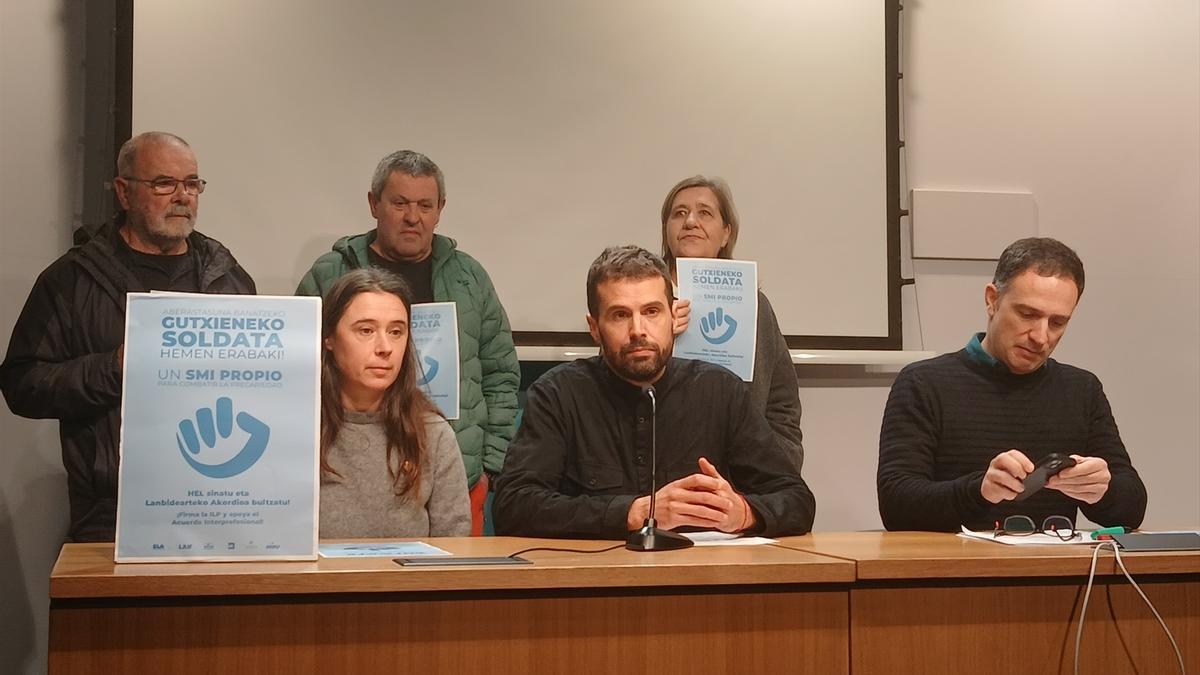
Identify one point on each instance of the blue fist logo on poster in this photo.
(207, 427)
(710, 327)
(431, 369)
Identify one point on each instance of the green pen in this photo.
(1109, 531)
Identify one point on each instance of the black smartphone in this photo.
(1042, 471)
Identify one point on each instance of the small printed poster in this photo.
(723, 323)
(434, 327)
(219, 428)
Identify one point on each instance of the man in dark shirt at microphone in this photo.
(580, 463)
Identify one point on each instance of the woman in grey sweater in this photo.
(699, 220)
(390, 465)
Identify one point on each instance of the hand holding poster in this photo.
(219, 428)
(724, 317)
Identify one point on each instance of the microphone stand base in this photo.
(651, 538)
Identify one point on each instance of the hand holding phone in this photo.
(1087, 481)
(1002, 480)
(1049, 466)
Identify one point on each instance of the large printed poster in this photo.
(723, 324)
(219, 428)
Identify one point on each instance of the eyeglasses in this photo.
(168, 186)
(1023, 526)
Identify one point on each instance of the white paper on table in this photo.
(714, 538)
(1084, 538)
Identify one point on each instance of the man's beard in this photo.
(164, 231)
(642, 370)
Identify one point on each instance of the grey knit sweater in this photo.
(361, 501)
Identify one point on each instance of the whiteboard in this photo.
(560, 126)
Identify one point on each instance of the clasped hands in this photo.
(1087, 481)
(702, 499)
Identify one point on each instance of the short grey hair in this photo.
(625, 262)
(1045, 256)
(127, 156)
(410, 163)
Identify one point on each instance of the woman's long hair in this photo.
(404, 405)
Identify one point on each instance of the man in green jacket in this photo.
(408, 193)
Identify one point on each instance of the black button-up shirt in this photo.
(582, 453)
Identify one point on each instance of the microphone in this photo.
(650, 537)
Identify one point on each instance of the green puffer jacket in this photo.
(488, 369)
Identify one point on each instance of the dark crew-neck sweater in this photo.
(583, 451)
(947, 417)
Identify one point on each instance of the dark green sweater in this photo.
(947, 417)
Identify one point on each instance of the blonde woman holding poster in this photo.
(699, 220)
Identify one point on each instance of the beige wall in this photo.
(1094, 108)
(40, 96)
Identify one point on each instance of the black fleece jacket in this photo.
(63, 364)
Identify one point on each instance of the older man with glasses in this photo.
(65, 358)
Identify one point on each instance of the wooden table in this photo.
(729, 609)
(823, 603)
(936, 603)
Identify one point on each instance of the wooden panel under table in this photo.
(937, 603)
(715, 609)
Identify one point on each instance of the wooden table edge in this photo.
(823, 570)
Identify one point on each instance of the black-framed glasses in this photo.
(168, 186)
(1023, 526)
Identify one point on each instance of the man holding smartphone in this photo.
(962, 431)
